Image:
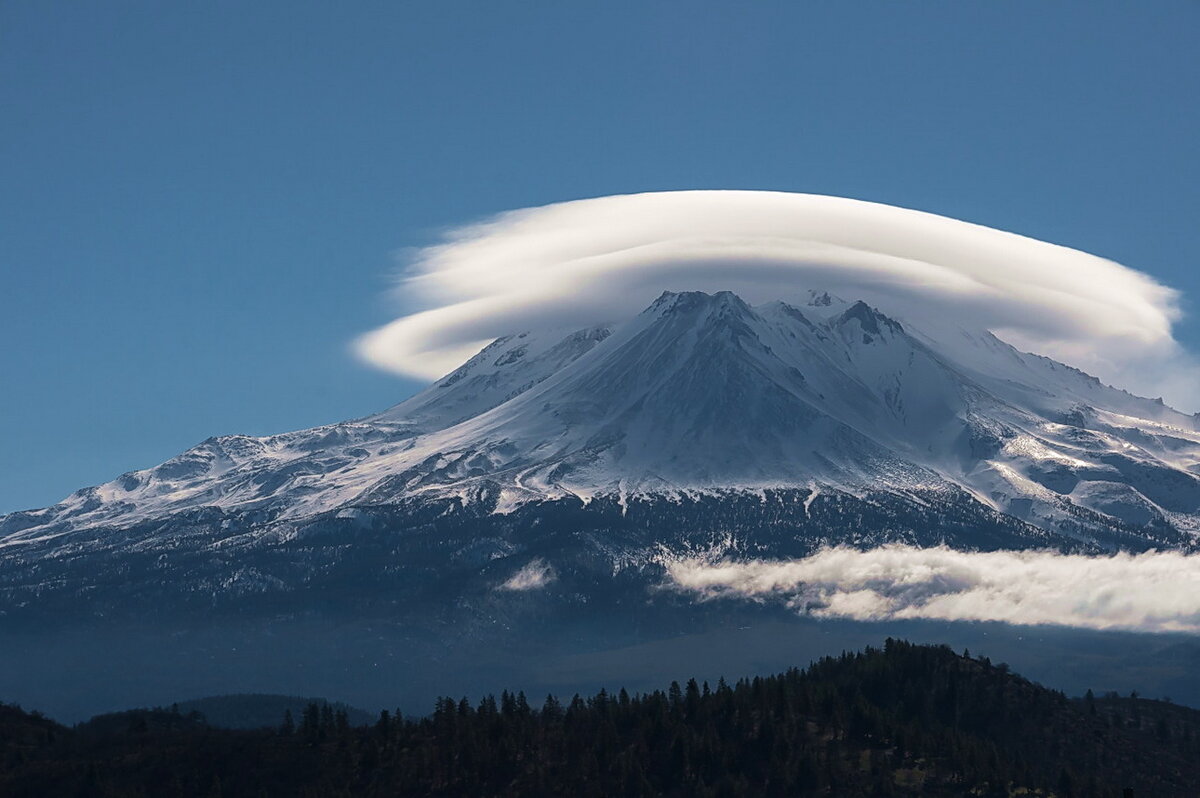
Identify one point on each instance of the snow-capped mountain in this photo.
(787, 424)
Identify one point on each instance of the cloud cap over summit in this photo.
(589, 261)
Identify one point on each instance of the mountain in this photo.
(570, 460)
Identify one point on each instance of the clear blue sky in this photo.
(200, 202)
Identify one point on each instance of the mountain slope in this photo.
(696, 411)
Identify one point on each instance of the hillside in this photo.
(700, 426)
(901, 720)
(259, 710)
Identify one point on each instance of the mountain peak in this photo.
(869, 319)
(697, 301)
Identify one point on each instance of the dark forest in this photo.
(898, 720)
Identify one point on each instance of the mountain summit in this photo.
(793, 423)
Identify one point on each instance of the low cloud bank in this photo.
(535, 575)
(573, 264)
(1152, 592)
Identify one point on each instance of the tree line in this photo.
(899, 720)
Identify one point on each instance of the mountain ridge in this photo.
(534, 407)
(701, 422)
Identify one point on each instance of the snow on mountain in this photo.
(703, 394)
(503, 369)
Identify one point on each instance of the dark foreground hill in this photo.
(904, 720)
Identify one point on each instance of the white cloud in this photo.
(536, 574)
(1154, 591)
(591, 261)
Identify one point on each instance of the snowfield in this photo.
(702, 393)
(555, 472)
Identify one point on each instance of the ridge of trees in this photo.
(900, 720)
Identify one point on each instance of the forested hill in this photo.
(902, 720)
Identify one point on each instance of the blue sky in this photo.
(202, 202)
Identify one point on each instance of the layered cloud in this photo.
(574, 264)
(1154, 592)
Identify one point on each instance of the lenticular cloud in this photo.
(573, 264)
(1152, 592)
